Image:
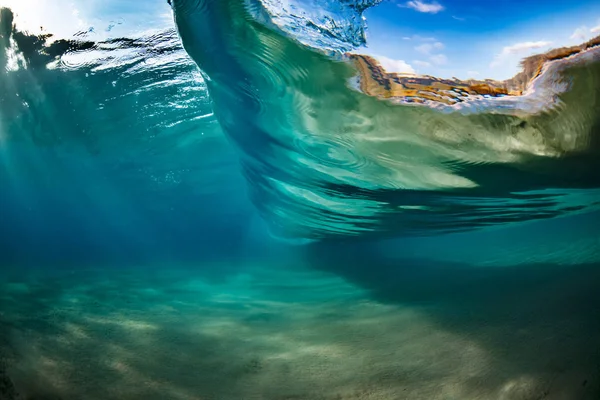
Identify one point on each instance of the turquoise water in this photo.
(214, 211)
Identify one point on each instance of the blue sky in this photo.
(474, 38)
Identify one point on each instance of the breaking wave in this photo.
(332, 144)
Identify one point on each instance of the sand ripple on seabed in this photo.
(256, 336)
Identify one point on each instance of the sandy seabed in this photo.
(281, 333)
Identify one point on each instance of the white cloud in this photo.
(524, 46)
(473, 73)
(518, 49)
(392, 65)
(422, 64)
(427, 48)
(424, 7)
(424, 48)
(461, 19)
(580, 33)
(583, 33)
(439, 59)
(419, 38)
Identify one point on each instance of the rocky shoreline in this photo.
(374, 80)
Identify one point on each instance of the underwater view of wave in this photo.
(264, 199)
(324, 159)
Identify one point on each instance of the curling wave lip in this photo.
(403, 154)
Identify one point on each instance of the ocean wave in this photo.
(322, 24)
(331, 144)
(402, 154)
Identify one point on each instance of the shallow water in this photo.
(222, 204)
(322, 325)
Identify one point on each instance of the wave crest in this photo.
(323, 24)
(402, 155)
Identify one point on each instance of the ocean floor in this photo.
(275, 332)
